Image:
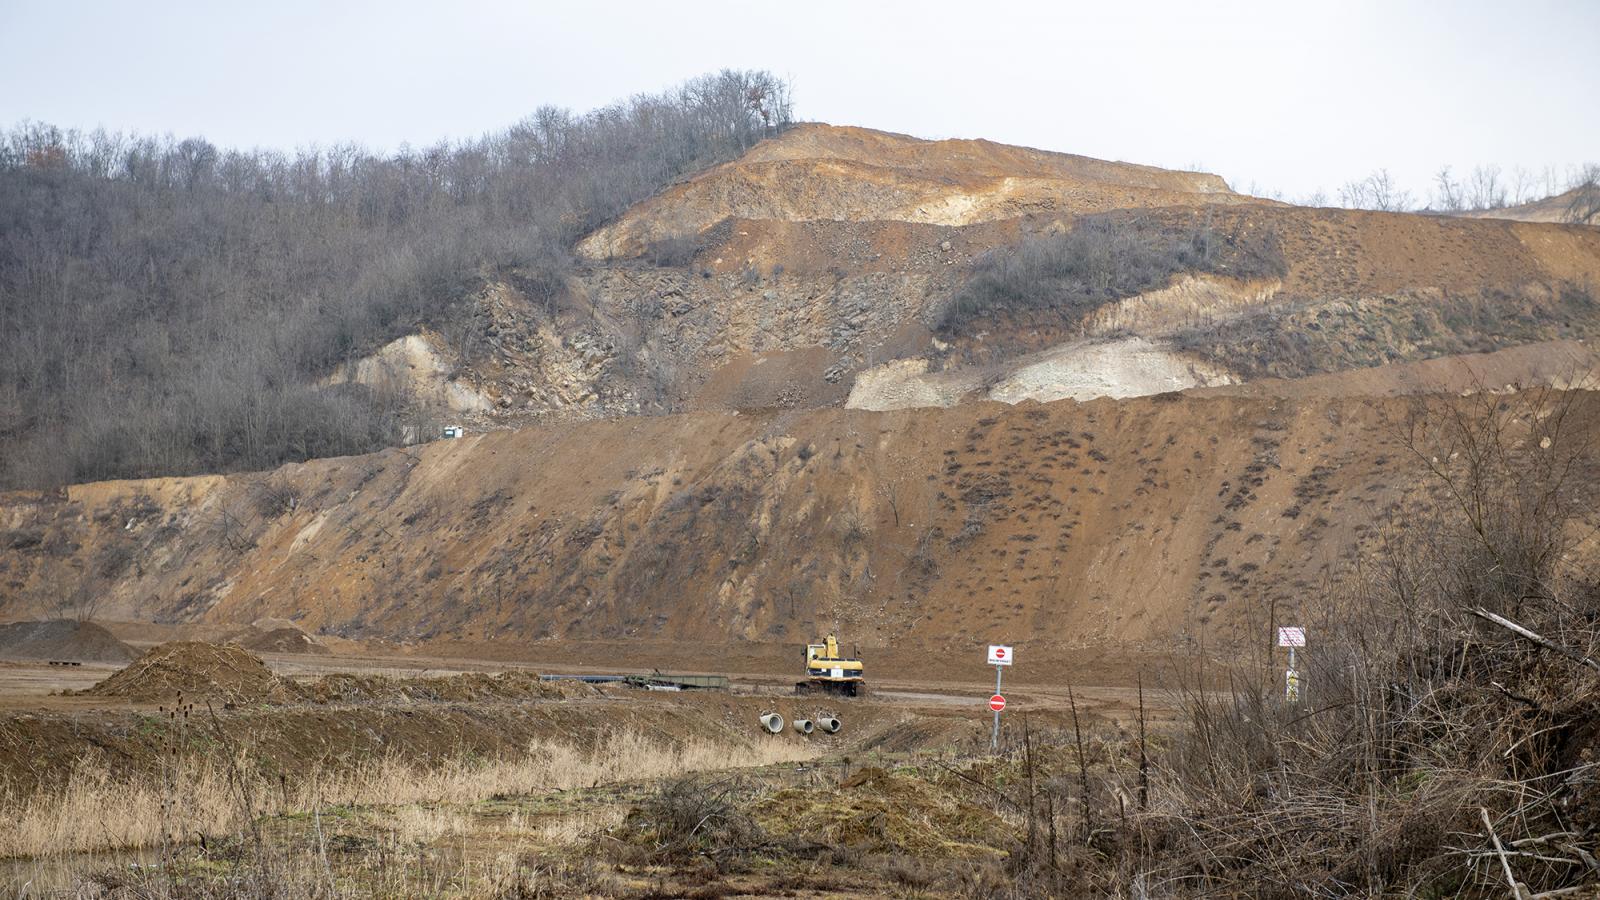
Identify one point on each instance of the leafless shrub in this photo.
(1103, 258)
(689, 818)
(1451, 683)
(229, 531)
(275, 495)
(1377, 191)
(1584, 207)
(672, 251)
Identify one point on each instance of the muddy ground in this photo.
(339, 710)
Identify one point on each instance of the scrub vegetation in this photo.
(168, 306)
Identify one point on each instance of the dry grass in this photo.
(580, 827)
(202, 795)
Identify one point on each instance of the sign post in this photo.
(1000, 656)
(1291, 637)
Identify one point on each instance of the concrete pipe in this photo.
(773, 723)
(803, 726)
(829, 724)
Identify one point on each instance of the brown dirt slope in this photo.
(786, 315)
(1061, 525)
(1559, 364)
(282, 640)
(1549, 209)
(62, 639)
(199, 672)
(817, 171)
(826, 251)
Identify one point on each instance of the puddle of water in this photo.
(60, 876)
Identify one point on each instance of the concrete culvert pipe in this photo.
(773, 723)
(803, 726)
(829, 724)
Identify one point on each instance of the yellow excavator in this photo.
(829, 671)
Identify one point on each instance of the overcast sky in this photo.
(1286, 96)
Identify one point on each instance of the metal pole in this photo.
(994, 741)
(1286, 677)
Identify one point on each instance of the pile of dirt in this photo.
(882, 812)
(471, 687)
(62, 639)
(282, 640)
(198, 671)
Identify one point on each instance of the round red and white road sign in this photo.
(997, 703)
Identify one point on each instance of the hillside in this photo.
(1063, 525)
(1555, 208)
(816, 172)
(854, 379)
(831, 281)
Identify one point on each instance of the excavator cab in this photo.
(829, 671)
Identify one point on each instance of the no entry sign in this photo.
(1000, 656)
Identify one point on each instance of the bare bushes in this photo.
(673, 251)
(1104, 258)
(1584, 206)
(169, 306)
(1452, 701)
(689, 818)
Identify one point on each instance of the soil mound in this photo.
(198, 671)
(879, 811)
(469, 687)
(63, 639)
(282, 640)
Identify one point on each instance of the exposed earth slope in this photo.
(748, 415)
(822, 172)
(1058, 525)
(820, 270)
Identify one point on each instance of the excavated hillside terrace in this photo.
(824, 172)
(1145, 522)
(815, 271)
(852, 305)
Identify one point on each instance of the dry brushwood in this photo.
(1450, 741)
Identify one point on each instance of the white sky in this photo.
(1286, 96)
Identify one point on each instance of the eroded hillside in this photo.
(825, 266)
(1133, 522)
(764, 405)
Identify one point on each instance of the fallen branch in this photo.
(1517, 890)
(1533, 636)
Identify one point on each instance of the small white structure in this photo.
(453, 431)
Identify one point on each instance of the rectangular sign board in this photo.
(1000, 655)
(1292, 636)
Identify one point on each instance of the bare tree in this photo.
(1377, 191)
(170, 306)
(1522, 182)
(1447, 192)
(1584, 206)
(1485, 189)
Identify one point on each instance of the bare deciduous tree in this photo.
(1377, 191)
(1447, 192)
(1584, 206)
(169, 306)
